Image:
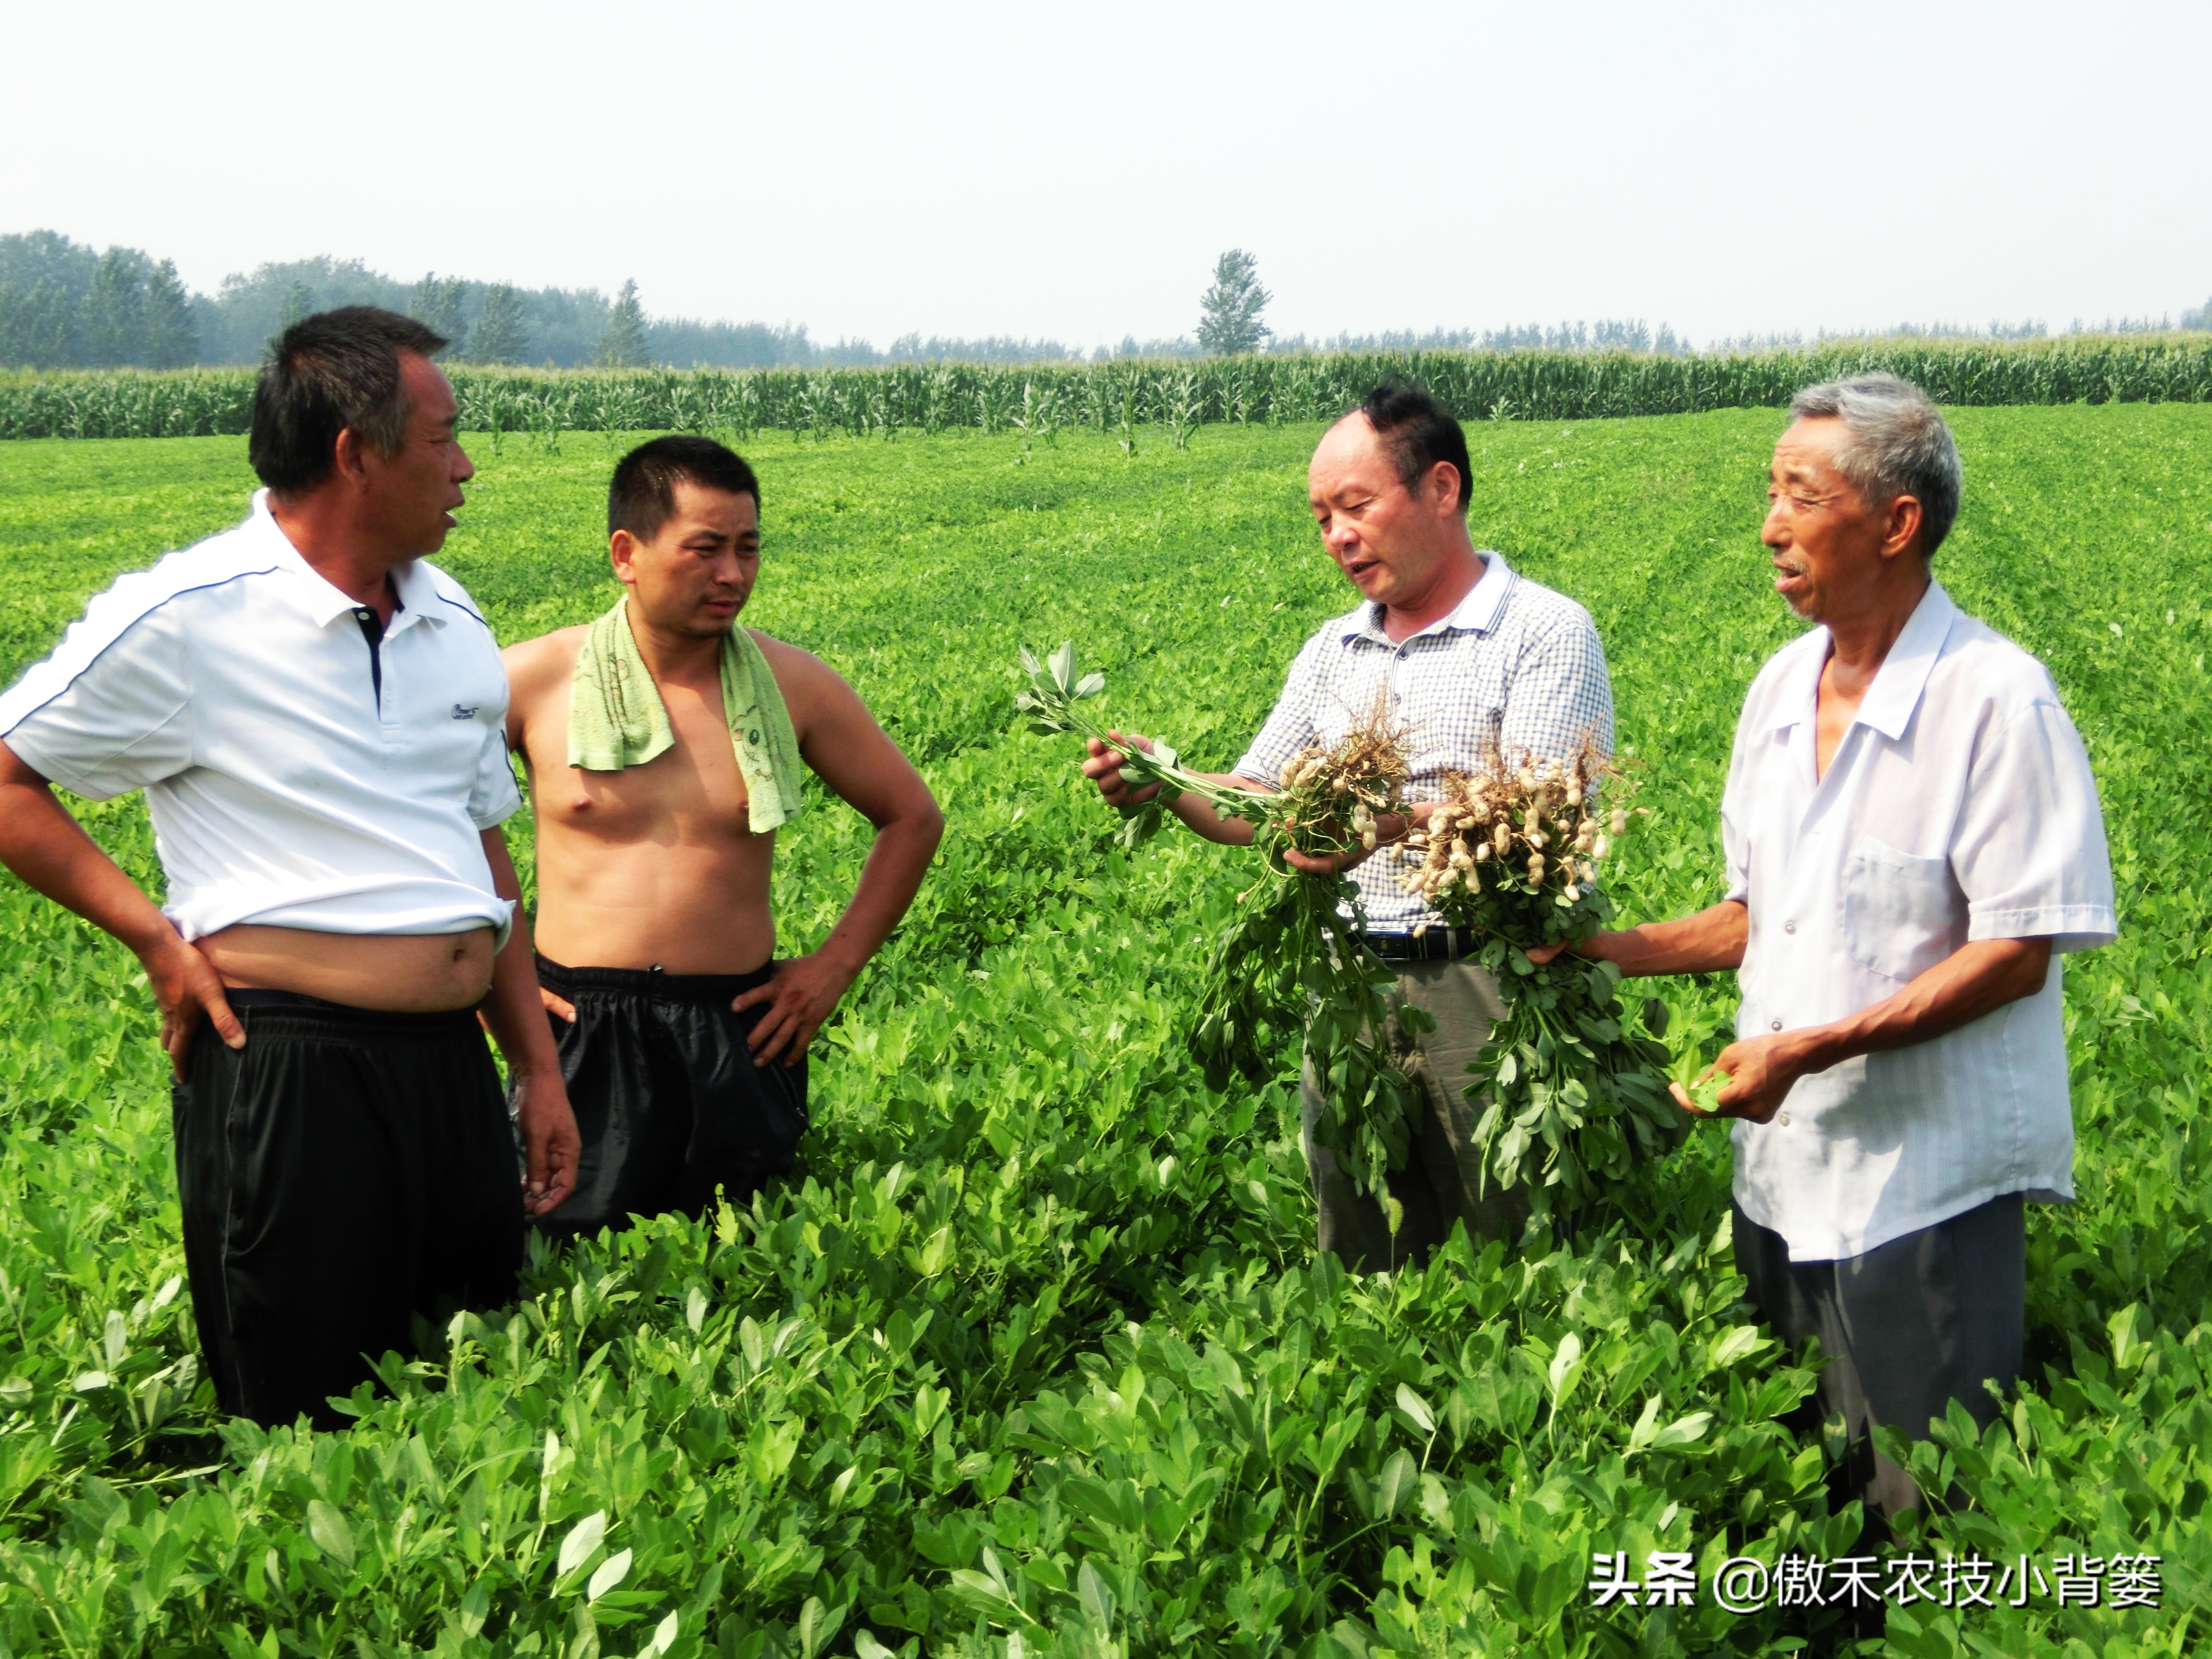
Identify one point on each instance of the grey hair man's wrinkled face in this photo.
(1825, 538)
(1895, 444)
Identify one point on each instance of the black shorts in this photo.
(668, 1100)
(343, 1172)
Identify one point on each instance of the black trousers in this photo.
(669, 1103)
(1907, 1327)
(343, 1172)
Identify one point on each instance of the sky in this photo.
(1072, 172)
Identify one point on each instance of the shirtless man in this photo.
(659, 772)
(315, 714)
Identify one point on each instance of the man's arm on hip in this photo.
(841, 741)
(43, 844)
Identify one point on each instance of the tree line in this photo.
(64, 305)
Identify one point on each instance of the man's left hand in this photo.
(799, 994)
(1388, 827)
(1760, 1072)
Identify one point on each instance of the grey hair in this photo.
(1898, 445)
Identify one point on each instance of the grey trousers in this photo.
(1906, 1328)
(1439, 1183)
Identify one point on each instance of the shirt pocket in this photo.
(1902, 912)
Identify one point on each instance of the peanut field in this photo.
(1036, 1358)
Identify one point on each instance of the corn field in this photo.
(1119, 396)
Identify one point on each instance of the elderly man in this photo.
(1912, 836)
(1475, 660)
(315, 713)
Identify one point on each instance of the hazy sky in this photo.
(964, 168)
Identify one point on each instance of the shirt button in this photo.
(1773, 1025)
(1789, 927)
(1783, 1120)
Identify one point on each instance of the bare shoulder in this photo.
(537, 670)
(533, 665)
(811, 687)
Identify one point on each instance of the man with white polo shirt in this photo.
(317, 716)
(1913, 839)
(1476, 661)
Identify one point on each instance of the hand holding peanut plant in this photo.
(1295, 956)
(1569, 1098)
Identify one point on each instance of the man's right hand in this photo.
(187, 989)
(1104, 770)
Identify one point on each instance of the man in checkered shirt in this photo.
(1473, 660)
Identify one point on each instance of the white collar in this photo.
(1476, 612)
(1891, 701)
(327, 602)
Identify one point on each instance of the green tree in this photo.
(499, 336)
(622, 345)
(113, 318)
(299, 304)
(38, 325)
(438, 300)
(172, 338)
(1229, 312)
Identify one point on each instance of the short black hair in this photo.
(642, 493)
(325, 373)
(1417, 432)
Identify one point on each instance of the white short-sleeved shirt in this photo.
(1515, 668)
(236, 687)
(1959, 806)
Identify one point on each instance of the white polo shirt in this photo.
(1959, 806)
(237, 688)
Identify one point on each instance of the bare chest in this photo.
(691, 792)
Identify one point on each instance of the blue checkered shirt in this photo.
(1516, 669)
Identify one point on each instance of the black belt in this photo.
(1431, 944)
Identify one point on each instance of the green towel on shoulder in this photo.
(617, 718)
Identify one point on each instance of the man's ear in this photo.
(1446, 487)
(621, 547)
(351, 458)
(1903, 527)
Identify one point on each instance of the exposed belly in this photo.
(693, 906)
(400, 973)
